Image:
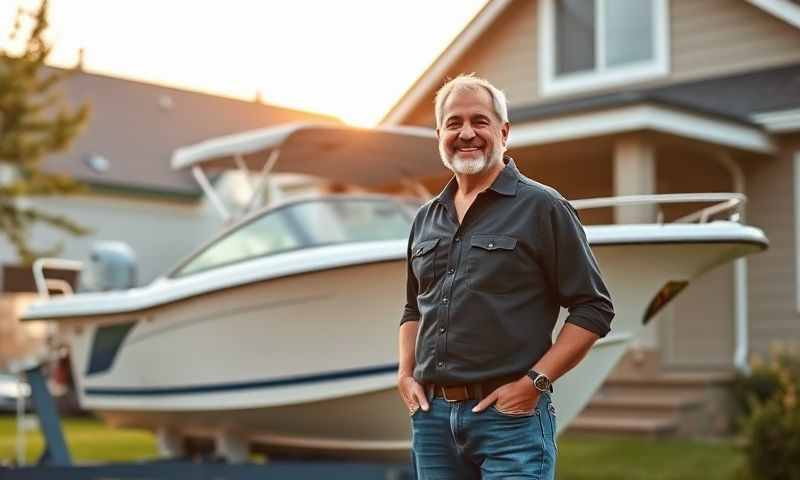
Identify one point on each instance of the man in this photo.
(490, 261)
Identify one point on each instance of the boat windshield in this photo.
(305, 224)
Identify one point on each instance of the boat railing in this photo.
(722, 203)
(45, 285)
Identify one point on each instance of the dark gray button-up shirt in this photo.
(487, 292)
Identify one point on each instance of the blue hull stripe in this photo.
(227, 387)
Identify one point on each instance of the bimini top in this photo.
(366, 157)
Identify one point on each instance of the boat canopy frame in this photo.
(337, 153)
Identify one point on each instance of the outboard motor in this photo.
(113, 266)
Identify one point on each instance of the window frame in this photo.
(551, 84)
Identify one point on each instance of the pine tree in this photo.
(34, 122)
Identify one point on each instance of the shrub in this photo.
(764, 380)
(772, 426)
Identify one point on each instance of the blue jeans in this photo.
(451, 442)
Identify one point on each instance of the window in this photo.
(305, 224)
(588, 44)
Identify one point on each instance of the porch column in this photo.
(634, 174)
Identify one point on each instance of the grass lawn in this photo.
(88, 440)
(619, 458)
(580, 458)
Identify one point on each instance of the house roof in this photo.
(134, 127)
(735, 97)
(432, 76)
(788, 10)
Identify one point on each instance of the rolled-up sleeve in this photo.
(411, 308)
(572, 270)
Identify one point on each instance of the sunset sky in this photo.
(349, 58)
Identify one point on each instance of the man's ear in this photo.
(437, 133)
(505, 131)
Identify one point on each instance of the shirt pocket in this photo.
(494, 264)
(423, 263)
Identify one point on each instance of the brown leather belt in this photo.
(469, 391)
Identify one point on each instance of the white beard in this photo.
(471, 166)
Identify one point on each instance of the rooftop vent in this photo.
(97, 162)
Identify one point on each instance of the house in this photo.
(123, 157)
(656, 96)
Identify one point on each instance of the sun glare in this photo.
(349, 58)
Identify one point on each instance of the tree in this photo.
(34, 122)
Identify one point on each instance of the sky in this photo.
(348, 58)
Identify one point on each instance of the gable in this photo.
(707, 39)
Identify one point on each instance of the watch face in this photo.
(541, 382)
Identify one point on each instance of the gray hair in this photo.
(471, 82)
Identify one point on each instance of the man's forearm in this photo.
(406, 346)
(572, 344)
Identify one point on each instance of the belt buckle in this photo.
(444, 394)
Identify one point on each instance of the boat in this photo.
(279, 335)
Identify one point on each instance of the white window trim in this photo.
(549, 84)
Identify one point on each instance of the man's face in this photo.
(471, 137)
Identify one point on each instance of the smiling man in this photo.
(490, 261)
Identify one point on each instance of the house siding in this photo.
(772, 284)
(695, 332)
(161, 233)
(707, 39)
(505, 53)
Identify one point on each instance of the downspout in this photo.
(740, 313)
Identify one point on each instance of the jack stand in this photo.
(56, 452)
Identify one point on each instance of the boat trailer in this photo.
(56, 463)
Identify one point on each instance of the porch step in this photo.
(654, 403)
(691, 384)
(623, 424)
(640, 405)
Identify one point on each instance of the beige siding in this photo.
(771, 274)
(720, 36)
(697, 331)
(506, 54)
(160, 233)
(708, 38)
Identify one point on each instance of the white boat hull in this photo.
(308, 361)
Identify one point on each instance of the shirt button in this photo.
(491, 244)
(442, 329)
(440, 364)
(451, 271)
(445, 300)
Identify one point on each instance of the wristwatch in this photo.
(540, 381)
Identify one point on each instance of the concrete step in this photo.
(653, 406)
(645, 426)
(675, 378)
(688, 384)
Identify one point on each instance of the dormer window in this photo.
(586, 44)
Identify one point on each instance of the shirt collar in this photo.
(504, 184)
